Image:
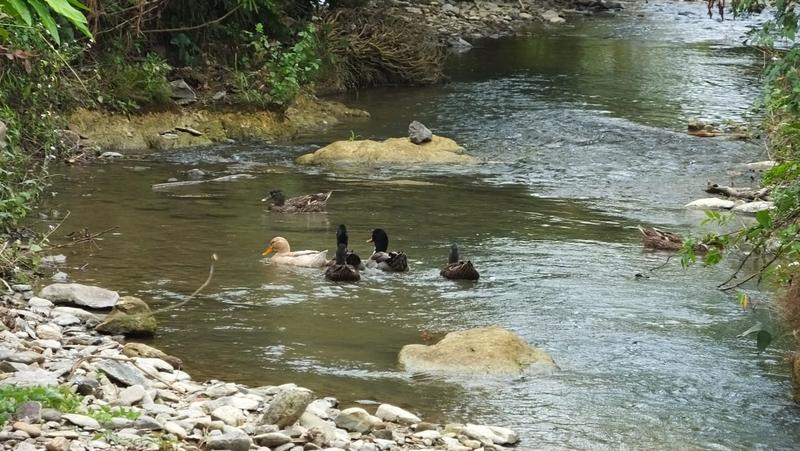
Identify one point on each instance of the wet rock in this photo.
(143, 350)
(110, 155)
(356, 419)
(195, 174)
(751, 208)
(287, 406)
(388, 412)
(21, 287)
(485, 350)
(130, 317)
(182, 93)
(320, 408)
(122, 372)
(85, 295)
(231, 438)
(83, 421)
(85, 385)
(419, 133)
(491, 434)
(711, 203)
(439, 150)
(29, 411)
(53, 260)
(60, 277)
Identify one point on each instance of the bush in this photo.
(361, 49)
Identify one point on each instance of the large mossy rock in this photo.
(394, 150)
(482, 351)
(131, 317)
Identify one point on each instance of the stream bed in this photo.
(581, 133)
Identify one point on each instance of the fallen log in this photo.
(739, 193)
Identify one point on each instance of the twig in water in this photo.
(663, 264)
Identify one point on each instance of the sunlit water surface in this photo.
(580, 130)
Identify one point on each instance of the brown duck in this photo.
(458, 269)
(654, 238)
(311, 203)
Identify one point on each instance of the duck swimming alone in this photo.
(284, 255)
(654, 238)
(457, 269)
(312, 203)
(382, 258)
(341, 271)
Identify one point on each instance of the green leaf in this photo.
(18, 8)
(712, 257)
(65, 9)
(47, 19)
(764, 219)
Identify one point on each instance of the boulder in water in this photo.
(711, 203)
(438, 150)
(131, 316)
(482, 351)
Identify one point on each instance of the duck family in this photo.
(346, 266)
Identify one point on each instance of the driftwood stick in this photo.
(743, 193)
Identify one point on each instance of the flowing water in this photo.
(581, 132)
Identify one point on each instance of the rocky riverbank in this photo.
(131, 396)
(458, 22)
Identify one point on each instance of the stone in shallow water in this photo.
(131, 317)
(495, 434)
(85, 295)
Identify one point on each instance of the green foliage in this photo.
(61, 399)
(124, 85)
(105, 414)
(293, 67)
(20, 11)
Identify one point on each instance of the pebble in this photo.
(83, 421)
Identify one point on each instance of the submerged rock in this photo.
(486, 351)
(131, 317)
(396, 150)
(85, 295)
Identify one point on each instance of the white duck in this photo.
(284, 255)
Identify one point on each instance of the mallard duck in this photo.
(654, 238)
(312, 203)
(457, 269)
(382, 258)
(350, 257)
(340, 271)
(284, 255)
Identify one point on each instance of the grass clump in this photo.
(105, 414)
(61, 399)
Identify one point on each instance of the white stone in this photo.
(761, 165)
(131, 395)
(174, 428)
(85, 295)
(356, 419)
(751, 208)
(429, 434)
(711, 203)
(320, 408)
(388, 412)
(229, 414)
(48, 332)
(494, 434)
(83, 421)
(552, 16)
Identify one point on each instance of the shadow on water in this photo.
(579, 130)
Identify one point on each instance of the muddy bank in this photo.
(200, 127)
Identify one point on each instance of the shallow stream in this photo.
(581, 132)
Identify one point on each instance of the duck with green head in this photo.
(382, 258)
(341, 271)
